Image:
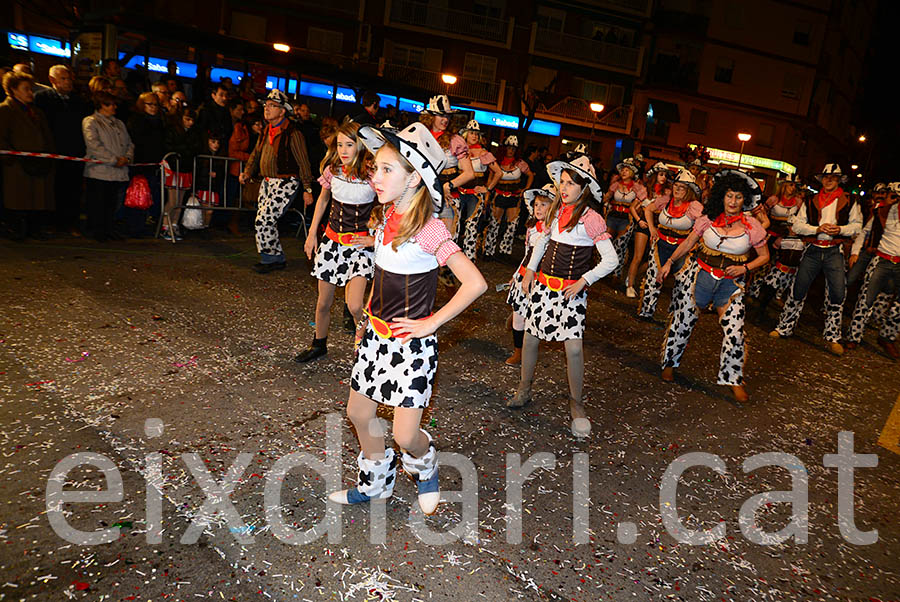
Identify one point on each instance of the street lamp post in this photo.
(596, 109)
(743, 137)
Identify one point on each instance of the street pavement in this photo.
(97, 339)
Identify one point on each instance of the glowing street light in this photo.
(281, 47)
(854, 167)
(596, 107)
(448, 79)
(862, 138)
(743, 137)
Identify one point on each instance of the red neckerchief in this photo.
(823, 199)
(345, 170)
(539, 226)
(679, 211)
(658, 189)
(436, 135)
(474, 146)
(789, 202)
(274, 130)
(628, 185)
(724, 221)
(565, 216)
(507, 161)
(391, 226)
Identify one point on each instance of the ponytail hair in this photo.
(421, 207)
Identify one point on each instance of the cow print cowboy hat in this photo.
(418, 147)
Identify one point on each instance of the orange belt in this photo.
(891, 258)
(522, 270)
(381, 328)
(785, 268)
(342, 238)
(621, 208)
(669, 239)
(716, 272)
(507, 193)
(554, 283)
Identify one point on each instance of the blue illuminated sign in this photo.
(158, 65)
(537, 126)
(217, 73)
(18, 41)
(413, 106)
(292, 86)
(325, 91)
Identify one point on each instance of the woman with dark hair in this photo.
(622, 193)
(107, 140)
(716, 275)
(186, 140)
(148, 132)
(515, 178)
(561, 263)
(677, 214)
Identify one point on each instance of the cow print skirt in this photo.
(516, 298)
(551, 317)
(337, 264)
(393, 373)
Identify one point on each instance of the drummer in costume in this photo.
(537, 202)
(717, 275)
(473, 196)
(344, 257)
(621, 194)
(657, 185)
(561, 266)
(396, 359)
(676, 217)
(457, 165)
(826, 222)
(785, 246)
(515, 177)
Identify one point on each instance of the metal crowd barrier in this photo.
(223, 206)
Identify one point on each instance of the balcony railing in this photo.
(457, 22)
(465, 89)
(586, 50)
(578, 111)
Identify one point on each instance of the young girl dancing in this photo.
(562, 258)
(537, 202)
(396, 359)
(717, 275)
(621, 195)
(344, 257)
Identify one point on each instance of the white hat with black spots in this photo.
(282, 99)
(548, 192)
(439, 105)
(387, 125)
(583, 167)
(832, 169)
(511, 141)
(894, 187)
(788, 177)
(660, 167)
(418, 147)
(629, 163)
(687, 178)
(472, 126)
(755, 189)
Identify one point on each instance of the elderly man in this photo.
(65, 111)
(280, 158)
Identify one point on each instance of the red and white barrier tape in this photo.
(68, 158)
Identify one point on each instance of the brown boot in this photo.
(668, 374)
(516, 358)
(889, 347)
(740, 395)
(834, 348)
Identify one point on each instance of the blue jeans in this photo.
(709, 289)
(467, 204)
(885, 279)
(617, 222)
(859, 268)
(664, 250)
(829, 261)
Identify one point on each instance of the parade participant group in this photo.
(408, 206)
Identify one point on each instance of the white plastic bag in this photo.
(192, 218)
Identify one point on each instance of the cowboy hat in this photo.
(548, 192)
(418, 147)
(279, 97)
(583, 167)
(755, 190)
(472, 126)
(439, 105)
(687, 178)
(832, 169)
(629, 163)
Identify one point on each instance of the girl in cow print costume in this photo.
(716, 275)
(473, 198)
(562, 259)
(344, 257)
(396, 358)
(676, 216)
(515, 177)
(622, 193)
(537, 201)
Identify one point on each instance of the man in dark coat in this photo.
(64, 111)
(214, 116)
